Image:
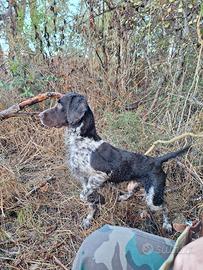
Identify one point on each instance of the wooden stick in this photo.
(187, 134)
(14, 109)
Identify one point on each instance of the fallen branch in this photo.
(13, 111)
(187, 134)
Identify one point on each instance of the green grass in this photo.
(129, 130)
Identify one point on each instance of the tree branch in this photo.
(13, 111)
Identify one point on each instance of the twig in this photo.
(7, 258)
(192, 100)
(35, 189)
(169, 190)
(11, 253)
(27, 113)
(8, 235)
(2, 206)
(32, 191)
(199, 35)
(187, 134)
(192, 172)
(60, 263)
(13, 111)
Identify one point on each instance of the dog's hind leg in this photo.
(132, 186)
(155, 202)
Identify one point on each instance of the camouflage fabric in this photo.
(120, 248)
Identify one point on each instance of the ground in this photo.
(41, 212)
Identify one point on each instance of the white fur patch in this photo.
(149, 200)
(79, 155)
(167, 226)
(166, 222)
(59, 105)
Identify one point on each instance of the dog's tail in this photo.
(166, 157)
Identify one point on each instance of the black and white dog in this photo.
(95, 162)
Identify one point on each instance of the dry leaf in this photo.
(44, 188)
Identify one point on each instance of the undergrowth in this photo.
(40, 207)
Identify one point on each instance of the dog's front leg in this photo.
(83, 181)
(83, 193)
(90, 195)
(85, 196)
(86, 223)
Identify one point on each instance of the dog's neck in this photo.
(85, 128)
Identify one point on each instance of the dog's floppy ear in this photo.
(77, 109)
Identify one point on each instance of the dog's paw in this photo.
(86, 223)
(167, 227)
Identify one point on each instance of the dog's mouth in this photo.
(47, 126)
(44, 124)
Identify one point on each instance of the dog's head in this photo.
(68, 112)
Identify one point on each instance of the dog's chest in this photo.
(79, 155)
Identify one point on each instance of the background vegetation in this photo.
(140, 65)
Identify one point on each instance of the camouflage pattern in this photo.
(184, 239)
(119, 248)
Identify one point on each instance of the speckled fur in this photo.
(79, 150)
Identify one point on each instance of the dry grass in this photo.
(40, 208)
